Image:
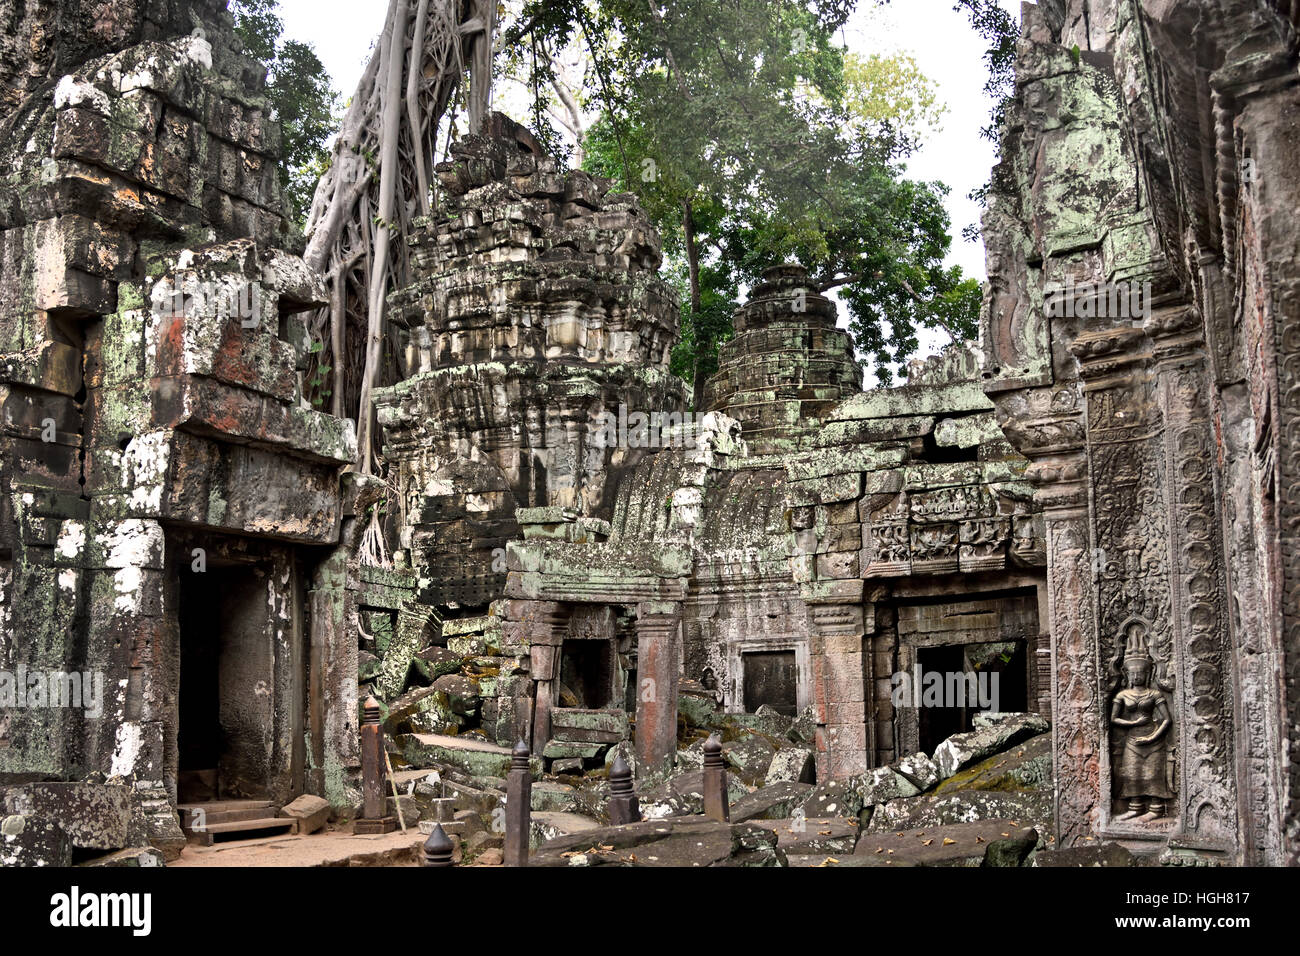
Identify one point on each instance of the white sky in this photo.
(946, 49)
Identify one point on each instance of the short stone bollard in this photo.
(374, 806)
(623, 804)
(716, 806)
(519, 800)
(438, 848)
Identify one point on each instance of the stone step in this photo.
(225, 811)
(249, 828)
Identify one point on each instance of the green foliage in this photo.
(752, 138)
(890, 94)
(301, 95)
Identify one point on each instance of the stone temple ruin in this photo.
(1089, 519)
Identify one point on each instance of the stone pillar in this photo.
(839, 685)
(519, 806)
(1077, 707)
(1198, 588)
(658, 630)
(623, 804)
(1050, 428)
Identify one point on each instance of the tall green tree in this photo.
(302, 98)
(751, 138)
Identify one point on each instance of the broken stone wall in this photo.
(150, 373)
(799, 558)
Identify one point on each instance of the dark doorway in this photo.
(224, 703)
(973, 678)
(587, 674)
(1006, 660)
(940, 717)
(771, 678)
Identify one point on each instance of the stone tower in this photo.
(786, 366)
(539, 311)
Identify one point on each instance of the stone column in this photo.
(1049, 427)
(1077, 708)
(519, 799)
(837, 629)
(658, 631)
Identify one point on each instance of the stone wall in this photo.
(154, 428)
(1146, 152)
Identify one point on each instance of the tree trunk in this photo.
(383, 235)
(693, 267)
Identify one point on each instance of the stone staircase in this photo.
(207, 822)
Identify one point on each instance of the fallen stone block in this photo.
(834, 798)
(750, 757)
(551, 825)
(1102, 854)
(814, 834)
(698, 707)
(133, 856)
(95, 816)
(311, 812)
(919, 769)
(791, 764)
(589, 726)
(33, 841)
(882, 785)
(683, 795)
(563, 749)
(964, 806)
(554, 796)
(776, 801)
(693, 842)
(1024, 766)
(956, 844)
(992, 734)
(477, 758)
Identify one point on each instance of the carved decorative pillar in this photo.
(1077, 708)
(1048, 427)
(658, 632)
(1131, 566)
(839, 684)
(1198, 592)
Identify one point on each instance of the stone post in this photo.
(374, 803)
(658, 653)
(1077, 707)
(623, 804)
(519, 799)
(716, 806)
(438, 848)
(839, 679)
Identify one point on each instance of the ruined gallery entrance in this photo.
(587, 674)
(958, 658)
(230, 682)
(971, 678)
(224, 704)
